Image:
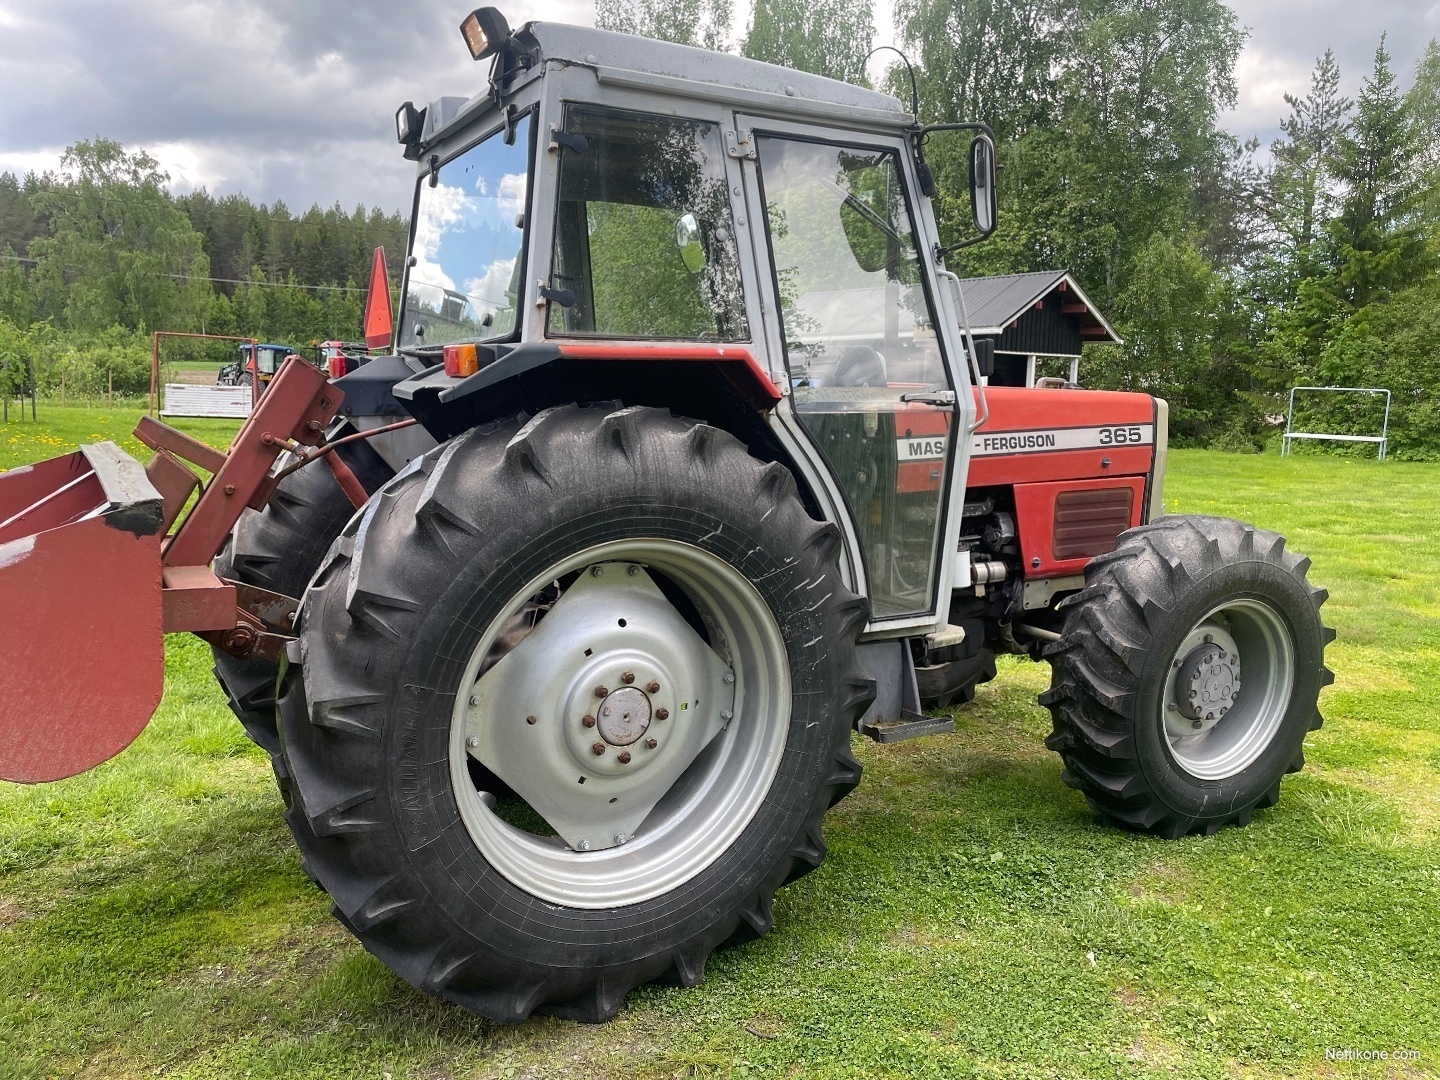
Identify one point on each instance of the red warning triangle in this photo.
(379, 322)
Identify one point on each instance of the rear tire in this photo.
(1187, 675)
(423, 584)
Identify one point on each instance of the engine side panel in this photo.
(1034, 436)
(1077, 463)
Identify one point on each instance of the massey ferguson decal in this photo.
(920, 447)
(987, 444)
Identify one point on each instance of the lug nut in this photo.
(729, 676)
(602, 690)
(725, 714)
(628, 678)
(632, 570)
(623, 757)
(598, 749)
(662, 714)
(588, 720)
(597, 571)
(531, 719)
(650, 744)
(472, 742)
(653, 686)
(1197, 724)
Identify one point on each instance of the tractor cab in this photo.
(645, 218)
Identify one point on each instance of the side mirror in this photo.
(982, 184)
(985, 356)
(687, 239)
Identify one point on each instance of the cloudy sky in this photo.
(295, 99)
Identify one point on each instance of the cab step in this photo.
(911, 725)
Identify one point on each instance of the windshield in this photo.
(464, 279)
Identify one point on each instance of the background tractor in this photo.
(557, 619)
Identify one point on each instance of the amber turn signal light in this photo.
(461, 360)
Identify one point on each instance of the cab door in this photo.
(862, 339)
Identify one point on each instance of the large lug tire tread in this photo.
(280, 548)
(1108, 671)
(382, 651)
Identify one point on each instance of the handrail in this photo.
(974, 365)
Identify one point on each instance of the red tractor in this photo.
(558, 620)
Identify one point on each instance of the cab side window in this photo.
(643, 231)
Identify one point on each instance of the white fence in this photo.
(231, 402)
(1382, 440)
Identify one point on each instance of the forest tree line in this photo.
(97, 255)
(1232, 271)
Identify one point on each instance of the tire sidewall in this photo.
(1287, 596)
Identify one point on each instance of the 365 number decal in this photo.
(1121, 436)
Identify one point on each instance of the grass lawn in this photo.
(972, 920)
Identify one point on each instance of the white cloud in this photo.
(491, 287)
(441, 207)
(510, 199)
(278, 99)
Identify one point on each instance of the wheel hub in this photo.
(593, 716)
(1213, 729)
(624, 716)
(1207, 686)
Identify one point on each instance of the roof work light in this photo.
(409, 127)
(484, 31)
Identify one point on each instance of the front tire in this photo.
(1187, 675)
(457, 631)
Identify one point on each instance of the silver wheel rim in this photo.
(713, 758)
(1228, 689)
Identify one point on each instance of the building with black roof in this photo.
(1032, 317)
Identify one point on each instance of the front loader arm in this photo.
(89, 580)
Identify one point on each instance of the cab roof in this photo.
(587, 46)
(667, 68)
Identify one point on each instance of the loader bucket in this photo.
(80, 592)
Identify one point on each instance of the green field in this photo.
(973, 919)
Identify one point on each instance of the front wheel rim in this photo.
(1227, 689)
(726, 703)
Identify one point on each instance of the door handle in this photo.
(942, 398)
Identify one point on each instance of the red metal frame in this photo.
(86, 573)
(297, 406)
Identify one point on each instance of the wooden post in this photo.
(32, 389)
(110, 388)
